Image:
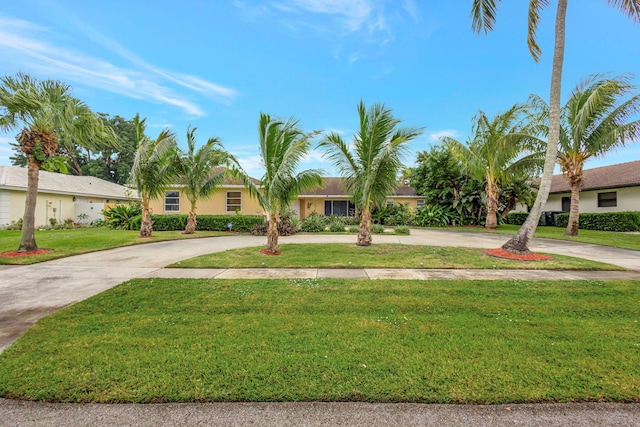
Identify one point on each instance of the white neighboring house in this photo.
(80, 198)
(614, 188)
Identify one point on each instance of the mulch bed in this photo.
(501, 253)
(15, 254)
(266, 252)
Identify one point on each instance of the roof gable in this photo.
(620, 175)
(15, 178)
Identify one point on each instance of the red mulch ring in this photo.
(266, 252)
(15, 254)
(501, 253)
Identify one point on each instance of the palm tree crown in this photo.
(370, 168)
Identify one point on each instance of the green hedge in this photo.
(241, 223)
(518, 218)
(609, 221)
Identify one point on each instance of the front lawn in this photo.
(604, 238)
(180, 340)
(81, 240)
(346, 255)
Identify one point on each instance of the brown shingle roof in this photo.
(335, 187)
(620, 175)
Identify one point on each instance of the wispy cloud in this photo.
(29, 47)
(435, 136)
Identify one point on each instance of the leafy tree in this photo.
(154, 168)
(595, 120)
(282, 146)
(48, 115)
(496, 154)
(484, 17)
(371, 168)
(201, 172)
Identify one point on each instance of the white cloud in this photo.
(28, 47)
(353, 14)
(435, 136)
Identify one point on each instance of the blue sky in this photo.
(217, 64)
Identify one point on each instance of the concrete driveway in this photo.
(29, 293)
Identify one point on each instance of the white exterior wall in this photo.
(628, 199)
(93, 210)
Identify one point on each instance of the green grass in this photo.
(604, 238)
(78, 241)
(345, 255)
(157, 340)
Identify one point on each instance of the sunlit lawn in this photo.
(158, 340)
(77, 241)
(343, 255)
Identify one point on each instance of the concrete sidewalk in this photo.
(28, 293)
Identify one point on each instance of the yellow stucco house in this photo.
(328, 199)
(80, 198)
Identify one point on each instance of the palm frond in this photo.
(483, 15)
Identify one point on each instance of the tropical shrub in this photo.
(314, 223)
(120, 216)
(402, 229)
(240, 223)
(336, 226)
(607, 221)
(434, 216)
(353, 229)
(377, 228)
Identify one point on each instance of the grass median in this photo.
(348, 255)
(82, 240)
(170, 340)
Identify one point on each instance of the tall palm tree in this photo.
(282, 146)
(595, 120)
(483, 14)
(501, 152)
(47, 112)
(154, 168)
(371, 168)
(201, 172)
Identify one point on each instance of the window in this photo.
(420, 204)
(607, 200)
(339, 208)
(566, 204)
(234, 201)
(172, 201)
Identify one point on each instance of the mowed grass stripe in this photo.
(158, 340)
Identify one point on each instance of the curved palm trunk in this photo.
(364, 233)
(574, 212)
(28, 239)
(491, 222)
(146, 227)
(272, 235)
(518, 244)
(191, 221)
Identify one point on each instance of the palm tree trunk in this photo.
(191, 221)
(518, 244)
(364, 233)
(491, 222)
(146, 227)
(28, 239)
(574, 212)
(272, 236)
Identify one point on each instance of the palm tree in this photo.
(483, 14)
(201, 172)
(371, 168)
(154, 168)
(47, 113)
(497, 155)
(282, 146)
(595, 121)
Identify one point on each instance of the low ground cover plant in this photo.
(455, 341)
(345, 255)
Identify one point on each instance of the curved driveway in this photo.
(28, 293)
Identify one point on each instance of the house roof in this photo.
(335, 187)
(620, 175)
(15, 178)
